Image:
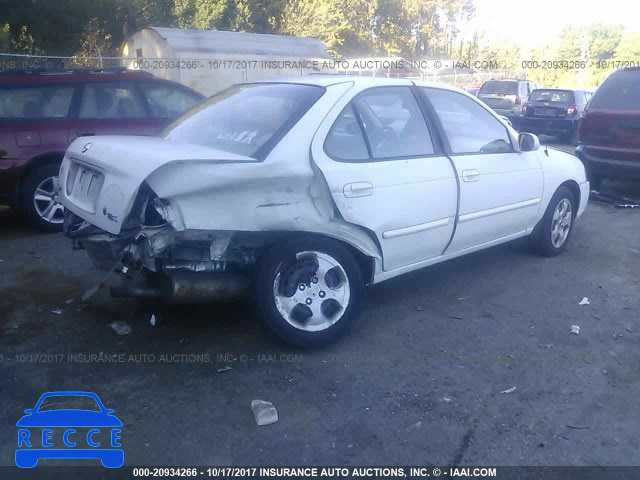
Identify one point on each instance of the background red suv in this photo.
(42, 112)
(609, 131)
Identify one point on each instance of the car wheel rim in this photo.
(561, 223)
(312, 291)
(45, 203)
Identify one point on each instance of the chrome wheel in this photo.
(45, 203)
(561, 223)
(312, 292)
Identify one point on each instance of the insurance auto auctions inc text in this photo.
(375, 472)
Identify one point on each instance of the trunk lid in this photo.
(100, 176)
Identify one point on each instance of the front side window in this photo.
(168, 101)
(469, 127)
(110, 100)
(35, 102)
(245, 119)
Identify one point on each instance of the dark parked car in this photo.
(609, 130)
(42, 112)
(505, 97)
(554, 111)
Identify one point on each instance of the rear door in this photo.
(387, 173)
(610, 127)
(111, 108)
(33, 121)
(500, 188)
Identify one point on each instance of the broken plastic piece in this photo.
(575, 329)
(584, 301)
(264, 412)
(226, 368)
(509, 390)
(153, 320)
(56, 311)
(446, 399)
(121, 327)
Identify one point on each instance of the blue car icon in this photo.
(43, 425)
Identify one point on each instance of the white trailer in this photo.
(210, 61)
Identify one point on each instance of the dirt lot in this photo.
(418, 380)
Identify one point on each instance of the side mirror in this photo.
(528, 142)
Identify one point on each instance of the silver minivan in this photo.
(507, 96)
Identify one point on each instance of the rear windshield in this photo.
(620, 91)
(499, 87)
(245, 119)
(555, 96)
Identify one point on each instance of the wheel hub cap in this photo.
(45, 201)
(561, 223)
(312, 291)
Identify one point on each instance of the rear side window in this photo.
(345, 140)
(35, 102)
(620, 91)
(110, 100)
(551, 95)
(496, 87)
(393, 123)
(168, 101)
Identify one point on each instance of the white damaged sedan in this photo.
(310, 189)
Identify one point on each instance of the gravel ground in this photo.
(418, 380)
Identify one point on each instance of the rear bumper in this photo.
(608, 167)
(548, 126)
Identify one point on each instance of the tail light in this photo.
(572, 109)
(518, 100)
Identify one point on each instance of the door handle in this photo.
(470, 175)
(357, 189)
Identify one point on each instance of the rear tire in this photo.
(551, 236)
(38, 199)
(308, 291)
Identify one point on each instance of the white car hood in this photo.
(124, 162)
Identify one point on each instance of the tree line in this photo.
(413, 29)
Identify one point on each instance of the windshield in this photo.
(245, 119)
(556, 96)
(67, 402)
(499, 87)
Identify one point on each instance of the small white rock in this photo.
(509, 390)
(264, 412)
(153, 320)
(575, 329)
(584, 301)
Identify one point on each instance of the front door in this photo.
(500, 188)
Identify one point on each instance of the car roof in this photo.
(326, 80)
(73, 76)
